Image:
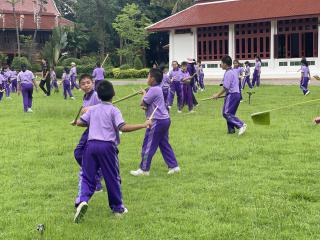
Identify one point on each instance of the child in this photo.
(247, 76)
(305, 77)
(54, 81)
(90, 98)
(74, 76)
(66, 84)
(7, 81)
(165, 85)
(232, 99)
(26, 81)
(200, 74)
(98, 74)
(1, 86)
(45, 78)
(175, 77)
(14, 82)
(257, 72)
(187, 88)
(239, 70)
(104, 121)
(158, 134)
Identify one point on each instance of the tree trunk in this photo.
(120, 57)
(17, 28)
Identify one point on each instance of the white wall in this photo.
(182, 46)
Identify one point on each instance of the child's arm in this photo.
(135, 127)
(219, 94)
(79, 123)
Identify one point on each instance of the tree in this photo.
(77, 40)
(131, 25)
(13, 4)
(52, 49)
(175, 6)
(67, 8)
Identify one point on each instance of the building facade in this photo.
(29, 19)
(281, 32)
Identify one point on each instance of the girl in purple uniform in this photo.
(1, 86)
(232, 97)
(257, 72)
(165, 85)
(54, 81)
(246, 79)
(104, 121)
(98, 74)
(158, 135)
(7, 81)
(14, 82)
(73, 76)
(187, 86)
(66, 82)
(200, 74)
(26, 81)
(175, 86)
(239, 70)
(305, 77)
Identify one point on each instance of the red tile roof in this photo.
(232, 11)
(27, 6)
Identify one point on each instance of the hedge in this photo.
(16, 63)
(67, 62)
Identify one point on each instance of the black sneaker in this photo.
(81, 211)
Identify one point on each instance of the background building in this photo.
(281, 32)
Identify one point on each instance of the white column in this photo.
(231, 44)
(171, 47)
(274, 31)
(195, 43)
(318, 60)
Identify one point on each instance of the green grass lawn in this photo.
(263, 185)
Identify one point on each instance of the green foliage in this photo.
(88, 69)
(85, 60)
(36, 67)
(3, 58)
(67, 62)
(125, 67)
(130, 25)
(137, 63)
(16, 63)
(130, 73)
(174, 6)
(59, 71)
(77, 40)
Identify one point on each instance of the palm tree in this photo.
(13, 4)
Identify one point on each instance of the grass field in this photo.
(263, 185)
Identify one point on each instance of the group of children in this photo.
(183, 80)
(97, 151)
(8, 82)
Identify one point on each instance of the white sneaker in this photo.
(243, 129)
(118, 214)
(174, 170)
(81, 211)
(179, 111)
(29, 110)
(73, 98)
(139, 172)
(307, 93)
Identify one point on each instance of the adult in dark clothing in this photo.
(45, 78)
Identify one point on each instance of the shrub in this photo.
(130, 73)
(16, 63)
(59, 71)
(67, 62)
(125, 67)
(86, 60)
(138, 63)
(88, 69)
(36, 67)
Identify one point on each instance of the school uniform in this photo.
(246, 79)
(232, 100)
(304, 79)
(158, 134)
(90, 99)
(192, 70)
(1, 86)
(54, 81)
(66, 78)
(187, 92)
(26, 80)
(98, 75)
(239, 70)
(7, 76)
(165, 85)
(104, 121)
(73, 73)
(175, 88)
(200, 74)
(256, 74)
(14, 82)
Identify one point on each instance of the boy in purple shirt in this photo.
(1, 86)
(14, 82)
(257, 72)
(54, 81)
(187, 86)
(66, 82)
(165, 84)
(104, 121)
(232, 99)
(7, 81)
(26, 81)
(305, 77)
(200, 74)
(175, 87)
(98, 74)
(73, 73)
(90, 98)
(239, 70)
(246, 75)
(158, 134)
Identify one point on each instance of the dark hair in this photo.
(184, 64)
(162, 67)
(247, 63)
(227, 60)
(67, 70)
(83, 76)
(156, 74)
(258, 58)
(105, 91)
(304, 62)
(98, 64)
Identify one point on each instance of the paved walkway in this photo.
(217, 82)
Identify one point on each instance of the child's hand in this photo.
(148, 123)
(144, 108)
(84, 110)
(73, 123)
(215, 96)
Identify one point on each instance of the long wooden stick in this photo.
(78, 115)
(105, 59)
(210, 98)
(129, 96)
(152, 114)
